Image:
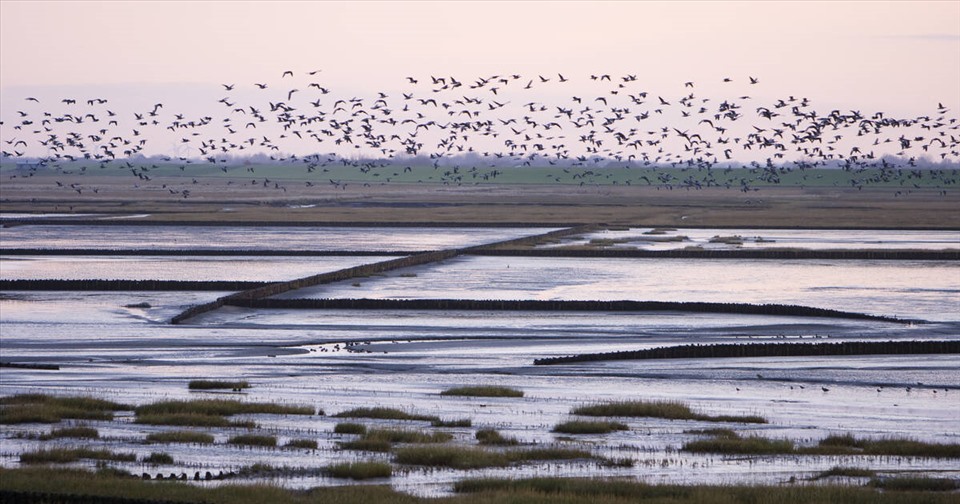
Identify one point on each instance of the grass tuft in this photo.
(42, 408)
(308, 444)
(483, 391)
(192, 420)
(349, 428)
(459, 422)
(915, 484)
(79, 432)
(252, 440)
(67, 455)
(589, 427)
(847, 472)
(181, 436)
(158, 459)
(384, 414)
(672, 410)
(492, 437)
(460, 457)
(217, 385)
(360, 470)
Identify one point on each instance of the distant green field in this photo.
(337, 174)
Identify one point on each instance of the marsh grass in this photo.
(211, 412)
(221, 407)
(658, 409)
(483, 391)
(42, 408)
(78, 432)
(752, 445)
(847, 472)
(308, 444)
(384, 414)
(589, 427)
(382, 440)
(67, 455)
(349, 428)
(158, 459)
(459, 422)
(461, 457)
(181, 436)
(915, 484)
(847, 444)
(217, 384)
(729, 442)
(192, 420)
(360, 470)
(253, 440)
(492, 437)
(89, 485)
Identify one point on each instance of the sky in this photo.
(897, 57)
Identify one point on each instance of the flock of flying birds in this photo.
(467, 129)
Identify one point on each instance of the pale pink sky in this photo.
(898, 57)
(878, 52)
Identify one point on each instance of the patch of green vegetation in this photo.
(181, 436)
(462, 457)
(384, 414)
(42, 408)
(217, 384)
(658, 409)
(192, 420)
(78, 432)
(847, 444)
(493, 437)
(847, 472)
(728, 442)
(360, 470)
(753, 445)
(253, 440)
(382, 440)
(589, 427)
(458, 422)
(349, 428)
(221, 407)
(90, 485)
(67, 455)
(483, 391)
(727, 240)
(915, 484)
(158, 459)
(308, 444)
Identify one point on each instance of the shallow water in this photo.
(121, 237)
(335, 360)
(810, 239)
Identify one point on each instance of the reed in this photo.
(457, 422)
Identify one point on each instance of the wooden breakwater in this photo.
(539, 305)
(738, 350)
(126, 285)
(693, 253)
(250, 297)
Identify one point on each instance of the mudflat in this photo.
(217, 200)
